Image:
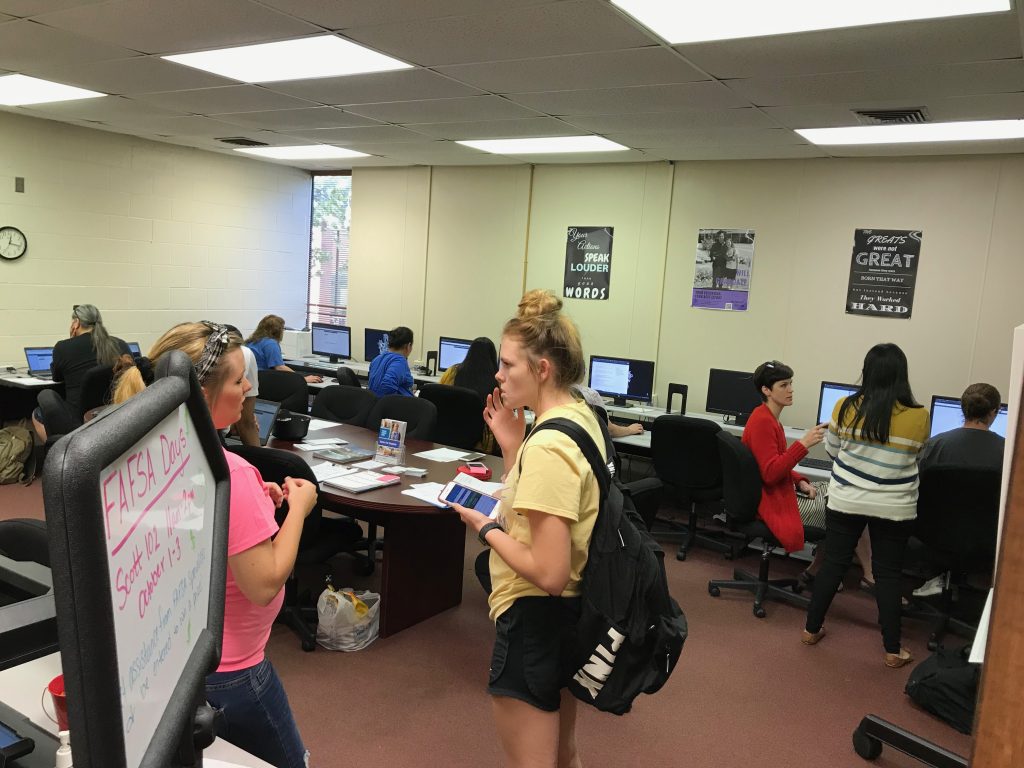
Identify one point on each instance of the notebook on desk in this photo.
(39, 360)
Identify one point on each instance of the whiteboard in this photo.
(157, 505)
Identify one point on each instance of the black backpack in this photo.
(946, 684)
(631, 631)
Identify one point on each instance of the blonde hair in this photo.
(270, 327)
(189, 338)
(544, 331)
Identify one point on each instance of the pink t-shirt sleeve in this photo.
(251, 511)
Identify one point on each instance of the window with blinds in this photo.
(328, 248)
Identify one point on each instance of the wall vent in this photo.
(891, 116)
(240, 141)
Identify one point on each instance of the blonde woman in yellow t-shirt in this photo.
(539, 544)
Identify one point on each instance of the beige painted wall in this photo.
(153, 234)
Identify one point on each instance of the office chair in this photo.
(686, 461)
(349, 405)
(96, 388)
(460, 415)
(287, 388)
(322, 537)
(957, 521)
(419, 415)
(24, 540)
(347, 377)
(741, 484)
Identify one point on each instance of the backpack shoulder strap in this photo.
(586, 445)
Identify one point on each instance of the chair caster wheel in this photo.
(933, 644)
(797, 588)
(309, 645)
(866, 746)
(760, 612)
(713, 590)
(681, 555)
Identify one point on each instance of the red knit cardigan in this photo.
(766, 439)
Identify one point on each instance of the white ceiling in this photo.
(515, 68)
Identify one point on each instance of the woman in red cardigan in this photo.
(766, 439)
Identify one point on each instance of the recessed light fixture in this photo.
(685, 22)
(302, 59)
(306, 152)
(974, 130)
(545, 145)
(20, 90)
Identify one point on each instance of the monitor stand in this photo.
(620, 402)
(333, 359)
(738, 419)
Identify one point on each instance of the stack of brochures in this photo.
(358, 482)
(344, 454)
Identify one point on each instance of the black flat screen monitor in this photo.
(137, 520)
(333, 341)
(375, 343)
(451, 352)
(947, 414)
(135, 349)
(622, 379)
(831, 393)
(732, 393)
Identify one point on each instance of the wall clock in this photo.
(13, 243)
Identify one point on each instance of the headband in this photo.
(216, 344)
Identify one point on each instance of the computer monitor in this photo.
(451, 352)
(831, 393)
(622, 379)
(137, 519)
(375, 342)
(333, 341)
(732, 393)
(39, 359)
(947, 414)
(136, 350)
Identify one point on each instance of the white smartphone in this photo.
(456, 493)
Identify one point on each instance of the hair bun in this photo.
(538, 302)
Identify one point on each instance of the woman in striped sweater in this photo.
(874, 436)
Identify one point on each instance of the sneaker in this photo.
(933, 586)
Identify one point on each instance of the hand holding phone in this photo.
(456, 493)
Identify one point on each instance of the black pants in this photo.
(888, 546)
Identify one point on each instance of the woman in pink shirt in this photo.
(257, 717)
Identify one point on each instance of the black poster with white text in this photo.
(588, 262)
(883, 272)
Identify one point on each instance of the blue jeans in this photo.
(257, 717)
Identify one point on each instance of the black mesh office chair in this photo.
(287, 388)
(349, 405)
(741, 484)
(347, 377)
(419, 415)
(460, 415)
(322, 537)
(95, 390)
(957, 521)
(686, 461)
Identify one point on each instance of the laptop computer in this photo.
(266, 415)
(39, 359)
(134, 348)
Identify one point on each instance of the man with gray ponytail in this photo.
(90, 345)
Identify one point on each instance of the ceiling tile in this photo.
(573, 26)
(36, 7)
(935, 41)
(140, 74)
(158, 26)
(287, 119)
(641, 98)
(993, 106)
(744, 117)
(628, 156)
(737, 152)
(335, 15)
(707, 137)
(188, 125)
(26, 45)
(401, 85)
(4, 17)
(111, 109)
(230, 98)
(381, 133)
(937, 148)
(430, 153)
(913, 84)
(497, 129)
(443, 110)
(607, 69)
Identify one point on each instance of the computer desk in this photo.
(18, 393)
(318, 366)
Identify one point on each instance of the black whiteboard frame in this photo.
(81, 581)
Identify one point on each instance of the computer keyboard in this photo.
(813, 463)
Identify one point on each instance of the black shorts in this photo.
(530, 661)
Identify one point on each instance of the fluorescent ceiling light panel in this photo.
(690, 22)
(303, 59)
(977, 130)
(308, 152)
(19, 90)
(545, 146)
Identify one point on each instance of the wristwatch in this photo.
(487, 529)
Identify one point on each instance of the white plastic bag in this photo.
(347, 624)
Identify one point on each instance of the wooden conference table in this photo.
(424, 545)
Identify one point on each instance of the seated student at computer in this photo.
(973, 445)
(476, 372)
(89, 345)
(265, 343)
(389, 373)
(766, 439)
(593, 397)
(257, 717)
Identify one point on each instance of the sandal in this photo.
(897, 660)
(810, 638)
